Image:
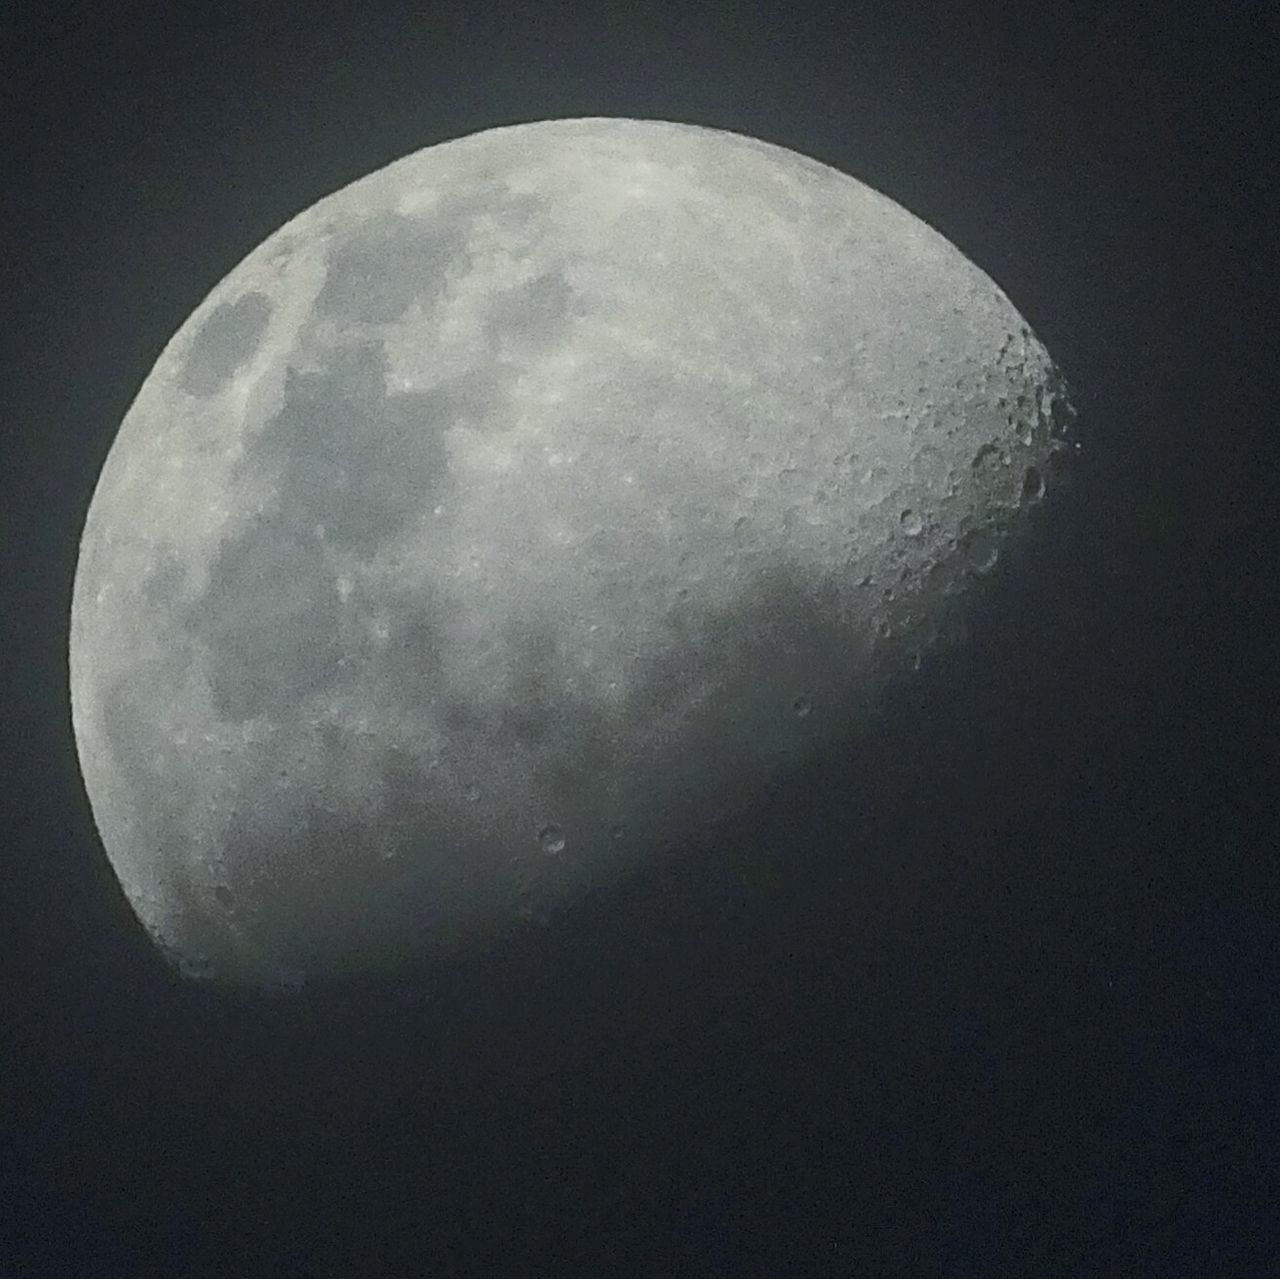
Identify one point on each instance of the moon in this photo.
(512, 512)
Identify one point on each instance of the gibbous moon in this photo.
(514, 511)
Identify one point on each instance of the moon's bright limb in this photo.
(513, 509)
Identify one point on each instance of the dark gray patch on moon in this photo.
(269, 621)
(405, 671)
(379, 268)
(225, 342)
(352, 465)
(165, 578)
(351, 458)
(477, 399)
(533, 317)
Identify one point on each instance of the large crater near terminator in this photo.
(515, 510)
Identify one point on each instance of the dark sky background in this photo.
(993, 993)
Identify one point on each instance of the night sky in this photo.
(992, 992)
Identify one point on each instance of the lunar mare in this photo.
(514, 510)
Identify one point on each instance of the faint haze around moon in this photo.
(512, 512)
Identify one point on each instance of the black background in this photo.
(993, 993)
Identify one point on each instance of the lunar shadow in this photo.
(787, 637)
(849, 832)
(782, 637)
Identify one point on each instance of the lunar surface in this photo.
(512, 512)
